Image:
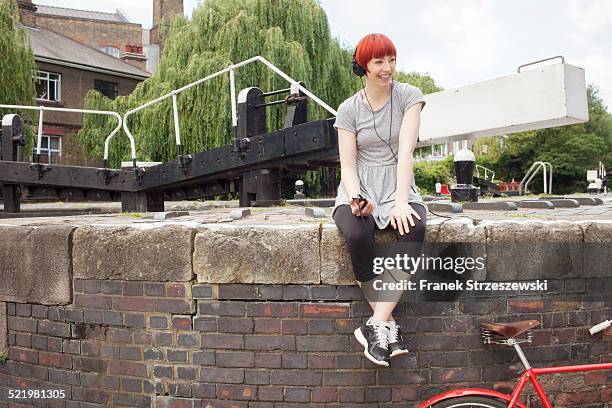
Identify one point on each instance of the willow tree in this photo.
(17, 66)
(294, 35)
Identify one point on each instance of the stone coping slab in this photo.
(36, 264)
(491, 206)
(274, 252)
(535, 204)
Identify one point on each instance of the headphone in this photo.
(357, 69)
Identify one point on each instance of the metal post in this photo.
(12, 137)
(177, 131)
(40, 132)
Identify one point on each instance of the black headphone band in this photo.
(357, 69)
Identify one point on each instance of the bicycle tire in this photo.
(471, 402)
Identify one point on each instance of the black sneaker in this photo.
(397, 344)
(373, 338)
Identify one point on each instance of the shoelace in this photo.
(381, 335)
(393, 332)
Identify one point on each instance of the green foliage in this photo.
(572, 150)
(3, 358)
(17, 66)
(428, 173)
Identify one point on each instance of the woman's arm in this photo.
(409, 133)
(347, 147)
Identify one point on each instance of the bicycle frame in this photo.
(531, 374)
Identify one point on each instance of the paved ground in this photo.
(220, 212)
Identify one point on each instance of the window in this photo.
(112, 51)
(439, 150)
(50, 149)
(106, 88)
(48, 86)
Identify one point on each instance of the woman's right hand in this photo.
(366, 208)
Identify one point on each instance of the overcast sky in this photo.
(457, 42)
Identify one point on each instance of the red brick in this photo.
(269, 326)
(351, 394)
(270, 393)
(404, 393)
(175, 306)
(116, 367)
(269, 342)
(54, 359)
(297, 377)
(235, 325)
(92, 301)
(137, 304)
(132, 288)
(525, 305)
(397, 377)
(347, 326)
(276, 309)
(323, 310)
(174, 402)
(115, 335)
(89, 364)
(294, 326)
(321, 326)
(222, 341)
(241, 359)
(222, 375)
(349, 378)
(236, 392)
(268, 360)
(22, 324)
(54, 328)
(216, 308)
(297, 394)
(181, 322)
(175, 290)
(378, 394)
(322, 343)
(321, 361)
(324, 394)
(24, 355)
(576, 398)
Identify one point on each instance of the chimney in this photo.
(27, 12)
(163, 13)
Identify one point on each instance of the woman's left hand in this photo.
(401, 216)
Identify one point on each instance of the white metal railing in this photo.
(533, 170)
(173, 94)
(42, 109)
(486, 171)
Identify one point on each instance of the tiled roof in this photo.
(117, 16)
(50, 45)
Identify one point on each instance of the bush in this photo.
(428, 173)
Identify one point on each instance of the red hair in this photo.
(373, 46)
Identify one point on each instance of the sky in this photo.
(456, 42)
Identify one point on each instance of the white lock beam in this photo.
(544, 97)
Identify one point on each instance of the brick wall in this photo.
(163, 13)
(96, 34)
(141, 344)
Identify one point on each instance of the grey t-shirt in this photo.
(376, 165)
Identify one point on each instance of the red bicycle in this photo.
(505, 333)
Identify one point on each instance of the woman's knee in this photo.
(416, 233)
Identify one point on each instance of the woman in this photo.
(378, 129)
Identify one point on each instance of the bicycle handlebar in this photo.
(599, 327)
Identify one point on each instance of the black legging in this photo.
(360, 240)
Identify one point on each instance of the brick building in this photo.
(79, 50)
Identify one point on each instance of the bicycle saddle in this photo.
(510, 329)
